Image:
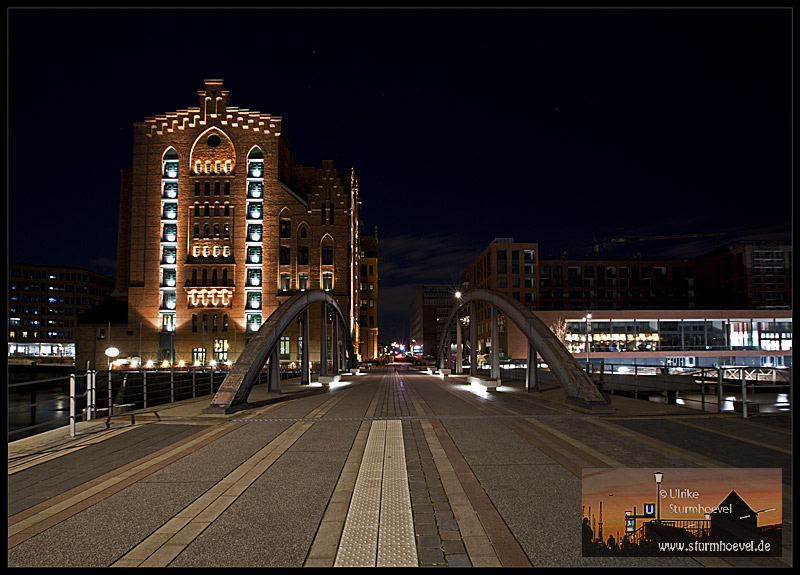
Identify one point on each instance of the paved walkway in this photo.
(393, 468)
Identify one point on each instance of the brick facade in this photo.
(304, 220)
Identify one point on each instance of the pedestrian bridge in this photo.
(263, 347)
(578, 386)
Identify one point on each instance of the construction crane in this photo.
(598, 243)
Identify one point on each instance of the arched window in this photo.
(214, 277)
(197, 230)
(205, 276)
(227, 231)
(197, 209)
(194, 277)
(170, 159)
(206, 231)
(225, 277)
(208, 210)
(303, 232)
(216, 209)
(216, 230)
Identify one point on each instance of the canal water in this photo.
(51, 409)
(761, 402)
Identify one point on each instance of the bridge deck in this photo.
(479, 478)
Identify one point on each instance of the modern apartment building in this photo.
(218, 226)
(511, 268)
(44, 303)
(746, 275)
(617, 284)
(732, 305)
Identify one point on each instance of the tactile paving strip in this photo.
(379, 530)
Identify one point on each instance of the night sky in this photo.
(554, 126)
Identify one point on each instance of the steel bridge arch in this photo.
(578, 386)
(232, 394)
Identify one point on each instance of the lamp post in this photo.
(111, 352)
(658, 476)
(588, 338)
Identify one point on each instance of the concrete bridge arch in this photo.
(263, 346)
(578, 386)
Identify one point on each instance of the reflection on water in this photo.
(52, 410)
(768, 402)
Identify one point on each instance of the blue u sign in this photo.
(649, 509)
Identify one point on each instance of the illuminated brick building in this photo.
(219, 226)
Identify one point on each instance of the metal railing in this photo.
(36, 406)
(745, 390)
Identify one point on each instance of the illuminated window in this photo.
(253, 322)
(254, 255)
(254, 300)
(169, 255)
(199, 355)
(285, 282)
(169, 277)
(302, 281)
(171, 190)
(255, 189)
(171, 169)
(327, 281)
(284, 347)
(170, 232)
(254, 277)
(254, 232)
(221, 349)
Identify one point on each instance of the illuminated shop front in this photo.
(41, 350)
(734, 334)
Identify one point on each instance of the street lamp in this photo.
(658, 476)
(111, 352)
(458, 295)
(588, 337)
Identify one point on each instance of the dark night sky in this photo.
(546, 125)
